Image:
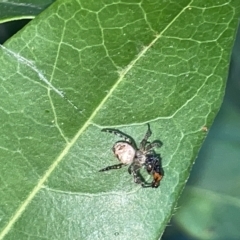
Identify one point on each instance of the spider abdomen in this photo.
(124, 152)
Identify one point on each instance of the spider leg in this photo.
(119, 134)
(116, 166)
(145, 139)
(157, 177)
(134, 170)
(152, 145)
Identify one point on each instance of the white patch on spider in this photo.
(124, 152)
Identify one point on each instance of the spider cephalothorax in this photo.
(128, 154)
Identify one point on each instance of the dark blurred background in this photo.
(8, 29)
(209, 207)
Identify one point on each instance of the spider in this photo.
(128, 154)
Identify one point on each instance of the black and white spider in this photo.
(128, 154)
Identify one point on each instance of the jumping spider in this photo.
(128, 154)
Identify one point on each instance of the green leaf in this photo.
(21, 9)
(82, 66)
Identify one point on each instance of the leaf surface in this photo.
(81, 66)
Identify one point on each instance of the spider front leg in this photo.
(116, 166)
(134, 170)
(120, 134)
(154, 144)
(147, 135)
(156, 181)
